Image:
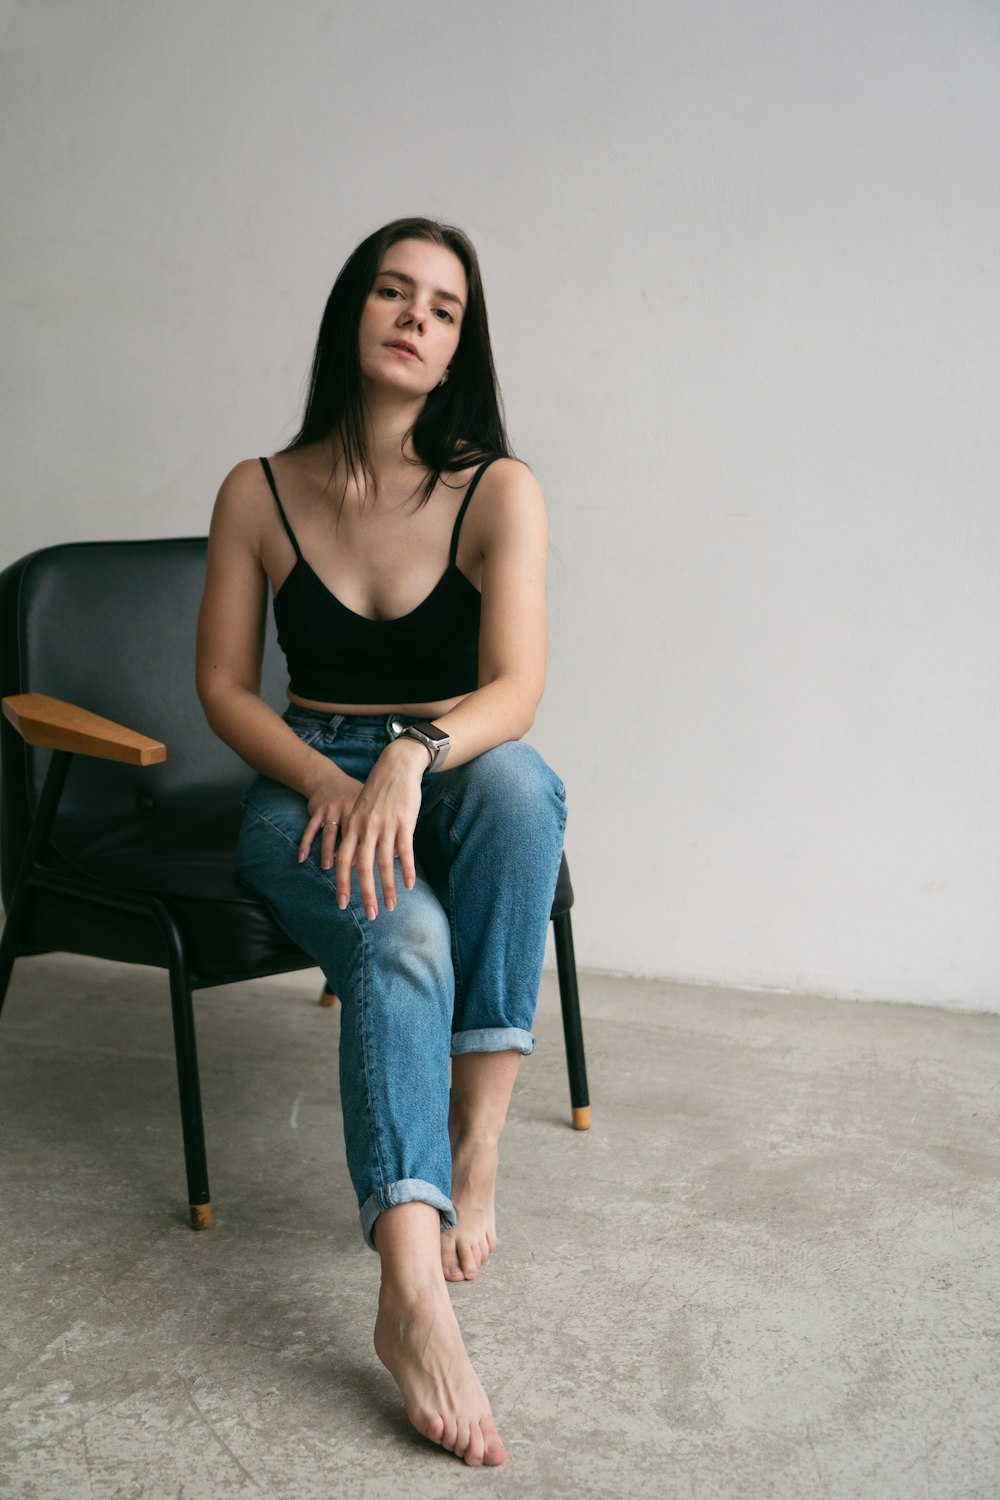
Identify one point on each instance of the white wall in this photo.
(742, 266)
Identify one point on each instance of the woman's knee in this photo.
(402, 967)
(414, 939)
(515, 782)
(408, 946)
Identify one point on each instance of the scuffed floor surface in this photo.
(769, 1270)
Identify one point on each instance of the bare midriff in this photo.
(420, 710)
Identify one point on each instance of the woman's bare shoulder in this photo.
(244, 497)
(508, 504)
(244, 479)
(500, 476)
(510, 483)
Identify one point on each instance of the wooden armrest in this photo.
(55, 725)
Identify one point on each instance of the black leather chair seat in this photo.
(185, 858)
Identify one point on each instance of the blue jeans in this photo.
(454, 968)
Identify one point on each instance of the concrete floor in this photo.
(769, 1270)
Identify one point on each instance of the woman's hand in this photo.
(380, 827)
(330, 804)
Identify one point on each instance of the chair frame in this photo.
(66, 730)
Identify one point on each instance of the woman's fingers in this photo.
(364, 863)
(308, 834)
(345, 864)
(329, 827)
(387, 871)
(324, 821)
(404, 848)
(378, 828)
(364, 854)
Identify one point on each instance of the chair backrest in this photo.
(111, 626)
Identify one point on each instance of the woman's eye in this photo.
(444, 315)
(390, 291)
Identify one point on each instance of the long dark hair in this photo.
(461, 422)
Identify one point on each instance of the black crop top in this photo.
(337, 656)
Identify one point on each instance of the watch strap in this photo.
(434, 740)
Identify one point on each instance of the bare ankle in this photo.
(474, 1139)
(405, 1286)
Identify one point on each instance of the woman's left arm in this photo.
(513, 532)
(512, 634)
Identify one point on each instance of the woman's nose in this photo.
(413, 314)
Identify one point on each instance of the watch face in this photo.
(431, 731)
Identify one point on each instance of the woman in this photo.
(398, 829)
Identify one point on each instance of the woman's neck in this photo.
(389, 424)
(391, 455)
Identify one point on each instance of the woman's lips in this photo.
(406, 349)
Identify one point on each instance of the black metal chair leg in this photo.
(185, 1047)
(38, 837)
(10, 945)
(572, 1025)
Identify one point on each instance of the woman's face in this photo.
(411, 321)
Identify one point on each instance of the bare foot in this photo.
(418, 1339)
(466, 1248)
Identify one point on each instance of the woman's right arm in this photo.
(230, 651)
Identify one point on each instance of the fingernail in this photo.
(342, 902)
(409, 882)
(390, 906)
(370, 913)
(302, 859)
(328, 864)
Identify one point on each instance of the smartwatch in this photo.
(434, 740)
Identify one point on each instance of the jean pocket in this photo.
(307, 730)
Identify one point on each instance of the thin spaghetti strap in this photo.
(477, 476)
(281, 510)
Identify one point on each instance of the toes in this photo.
(452, 1270)
(450, 1260)
(469, 1258)
(461, 1261)
(461, 1446)
(495, 1452)
(432, 1428)
(477, 1447)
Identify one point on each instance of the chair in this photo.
(109, 845)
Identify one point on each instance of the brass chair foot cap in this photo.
(581, 1118)
(201, 1215)
(328, 998)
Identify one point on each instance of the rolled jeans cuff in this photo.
(493, 1039)
(409, 1190)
